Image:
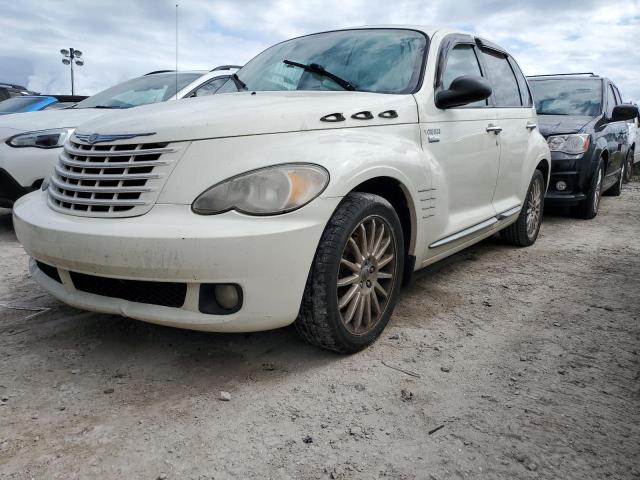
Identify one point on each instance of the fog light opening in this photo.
(561, 186)
(220, 298)
(227, 296)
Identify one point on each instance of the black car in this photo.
(585, 123)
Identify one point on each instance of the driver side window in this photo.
(462, 60)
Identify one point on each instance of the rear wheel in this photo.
(588, 208)
(355, 278)
(524, 231)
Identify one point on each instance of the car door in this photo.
(515, 116)
(615, 134)
(465, 153)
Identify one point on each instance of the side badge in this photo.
(433, 135)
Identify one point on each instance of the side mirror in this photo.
(464, 90)
(622, 113)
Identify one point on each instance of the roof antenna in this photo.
(176, 51)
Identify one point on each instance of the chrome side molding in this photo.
(476, 228)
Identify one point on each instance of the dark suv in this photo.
(585, 123)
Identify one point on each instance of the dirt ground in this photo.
(526, 358)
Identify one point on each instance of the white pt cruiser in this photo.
(334, 166)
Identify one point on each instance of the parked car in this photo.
(8, 90)
(585, 122)
(30, 143)
(334, 166)
(36, 103)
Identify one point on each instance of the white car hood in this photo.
(235, 114)
(31, 121)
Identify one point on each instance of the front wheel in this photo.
(355, 278)
(588, 208)
(524, 231)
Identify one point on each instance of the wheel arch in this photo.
(399, 196)
(544, 166)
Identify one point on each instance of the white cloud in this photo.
(124, 39)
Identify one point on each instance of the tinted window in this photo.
(503, 81)
(211, 87)
(461, 60)
(527, 101)
(567, 96)
(380, 60)
(611, 101)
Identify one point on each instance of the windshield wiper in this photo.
(109, 106)
(320, 70)
(240, 85)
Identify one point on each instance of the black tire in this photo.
(628, 174)
(320, 321)
(518, 233)
(616, 189)
(588, 208)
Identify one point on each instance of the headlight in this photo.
(267, 191)
(572, 144)
(41, 139)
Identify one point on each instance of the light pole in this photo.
(69, 57)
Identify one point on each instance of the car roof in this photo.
(563, 76)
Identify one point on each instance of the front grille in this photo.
(109, 180)
(166, 294)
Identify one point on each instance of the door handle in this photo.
(531, 126)
(494, 128)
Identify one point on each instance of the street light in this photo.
(69, 57)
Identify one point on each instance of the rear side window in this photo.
(525, 93)
(210, 88)
(462, 60)
(505, 86)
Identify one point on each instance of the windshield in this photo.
(567, 96)
(380, 60)
(140, 91)
(18, 104)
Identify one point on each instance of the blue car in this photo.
(35, 103)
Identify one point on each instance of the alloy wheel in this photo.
(366, 275)
(598, 192)
(534, 208)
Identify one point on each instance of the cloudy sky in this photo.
(125, 38)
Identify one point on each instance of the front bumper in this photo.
(10, 189)
(26, 168)
(268, 257)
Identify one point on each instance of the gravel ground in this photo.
(518, 363)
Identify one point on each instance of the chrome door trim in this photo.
(466, 232)
(509, 212)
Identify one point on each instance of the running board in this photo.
(476, 228)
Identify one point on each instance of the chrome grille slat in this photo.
(117, 153)
(110, 176)
(81, 164)
(84, 182)
(89, 201)
(82, 188)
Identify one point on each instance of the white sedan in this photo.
(31, 142)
